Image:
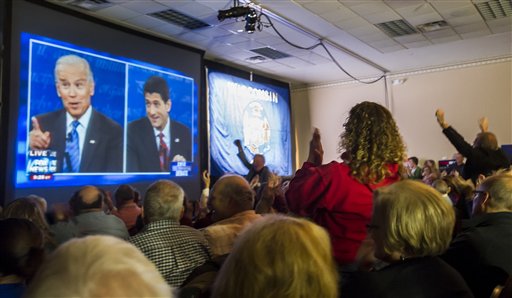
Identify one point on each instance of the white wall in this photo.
(465, 92)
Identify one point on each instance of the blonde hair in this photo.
(500, 191)
(279, 256)
(413, 218)
(98, 266)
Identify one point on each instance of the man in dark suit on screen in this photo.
(155, 141)
(84, 139)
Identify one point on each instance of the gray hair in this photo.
(163, 200)
(73, 60)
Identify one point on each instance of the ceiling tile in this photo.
(424, 18)
(464, 20)
(480, 26)
(321, 7)
(409, 38)
(294, 62)
(475, 34)
(391, 49)
(146, 22)
(352, 23)
(144, 7)
(445, 39)
(418, 44)
(117, 12)
(232, 39)
(363, 8)
(169, 29)
(382, 17)
(248, 45)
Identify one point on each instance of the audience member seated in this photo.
(98, 266)
(485, 240)
(32, 209)
(442, 187)
(411, 225)
(413, 171)
(483, 157)
(231, 201)
(88, 217)
(127, 208)
(175, 249)
(21, 254)
(279, 256)
(338, 196)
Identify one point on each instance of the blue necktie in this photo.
(72, 156)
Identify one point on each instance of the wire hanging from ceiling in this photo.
(254, 22)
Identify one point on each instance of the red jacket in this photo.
(336, 201)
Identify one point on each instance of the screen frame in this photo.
(11, 92)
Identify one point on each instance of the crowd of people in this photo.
(374, 224)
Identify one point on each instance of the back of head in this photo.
(486, 140)
(87, 198)
(279, 256)
(413, 219)
(28, 208)
(156, 84)
(499, 188)
(231, 194)
(441, 186)
(91, 267)
(372, 138)
(125, 194)
(163, 200)
(21, 248)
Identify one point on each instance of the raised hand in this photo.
(37, 138)
(483, 123)
(440, 118)
(316, 152)
(206, 179)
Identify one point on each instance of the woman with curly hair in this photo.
(338, 196)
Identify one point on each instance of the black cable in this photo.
(320, 43)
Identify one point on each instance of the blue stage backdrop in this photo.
(256, 113)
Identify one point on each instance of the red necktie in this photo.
(164, 157)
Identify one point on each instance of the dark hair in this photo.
(22, 249)
(487, 140)
(156, 84)
(78, 205)
(125, 193)
(414, 159)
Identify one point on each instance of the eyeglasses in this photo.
(371, 227)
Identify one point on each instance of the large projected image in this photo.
(86, 114)
(255, 113)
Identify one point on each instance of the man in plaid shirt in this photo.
(175, 249)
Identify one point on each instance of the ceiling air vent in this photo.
(432, 26)
(396, 28)
(270, 53)
(256, 59)
(177, 18)
(495, 9)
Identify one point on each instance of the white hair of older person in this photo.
(98, 266)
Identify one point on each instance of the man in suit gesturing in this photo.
(85, 140)
(155, 140)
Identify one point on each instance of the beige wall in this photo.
(465, 92)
